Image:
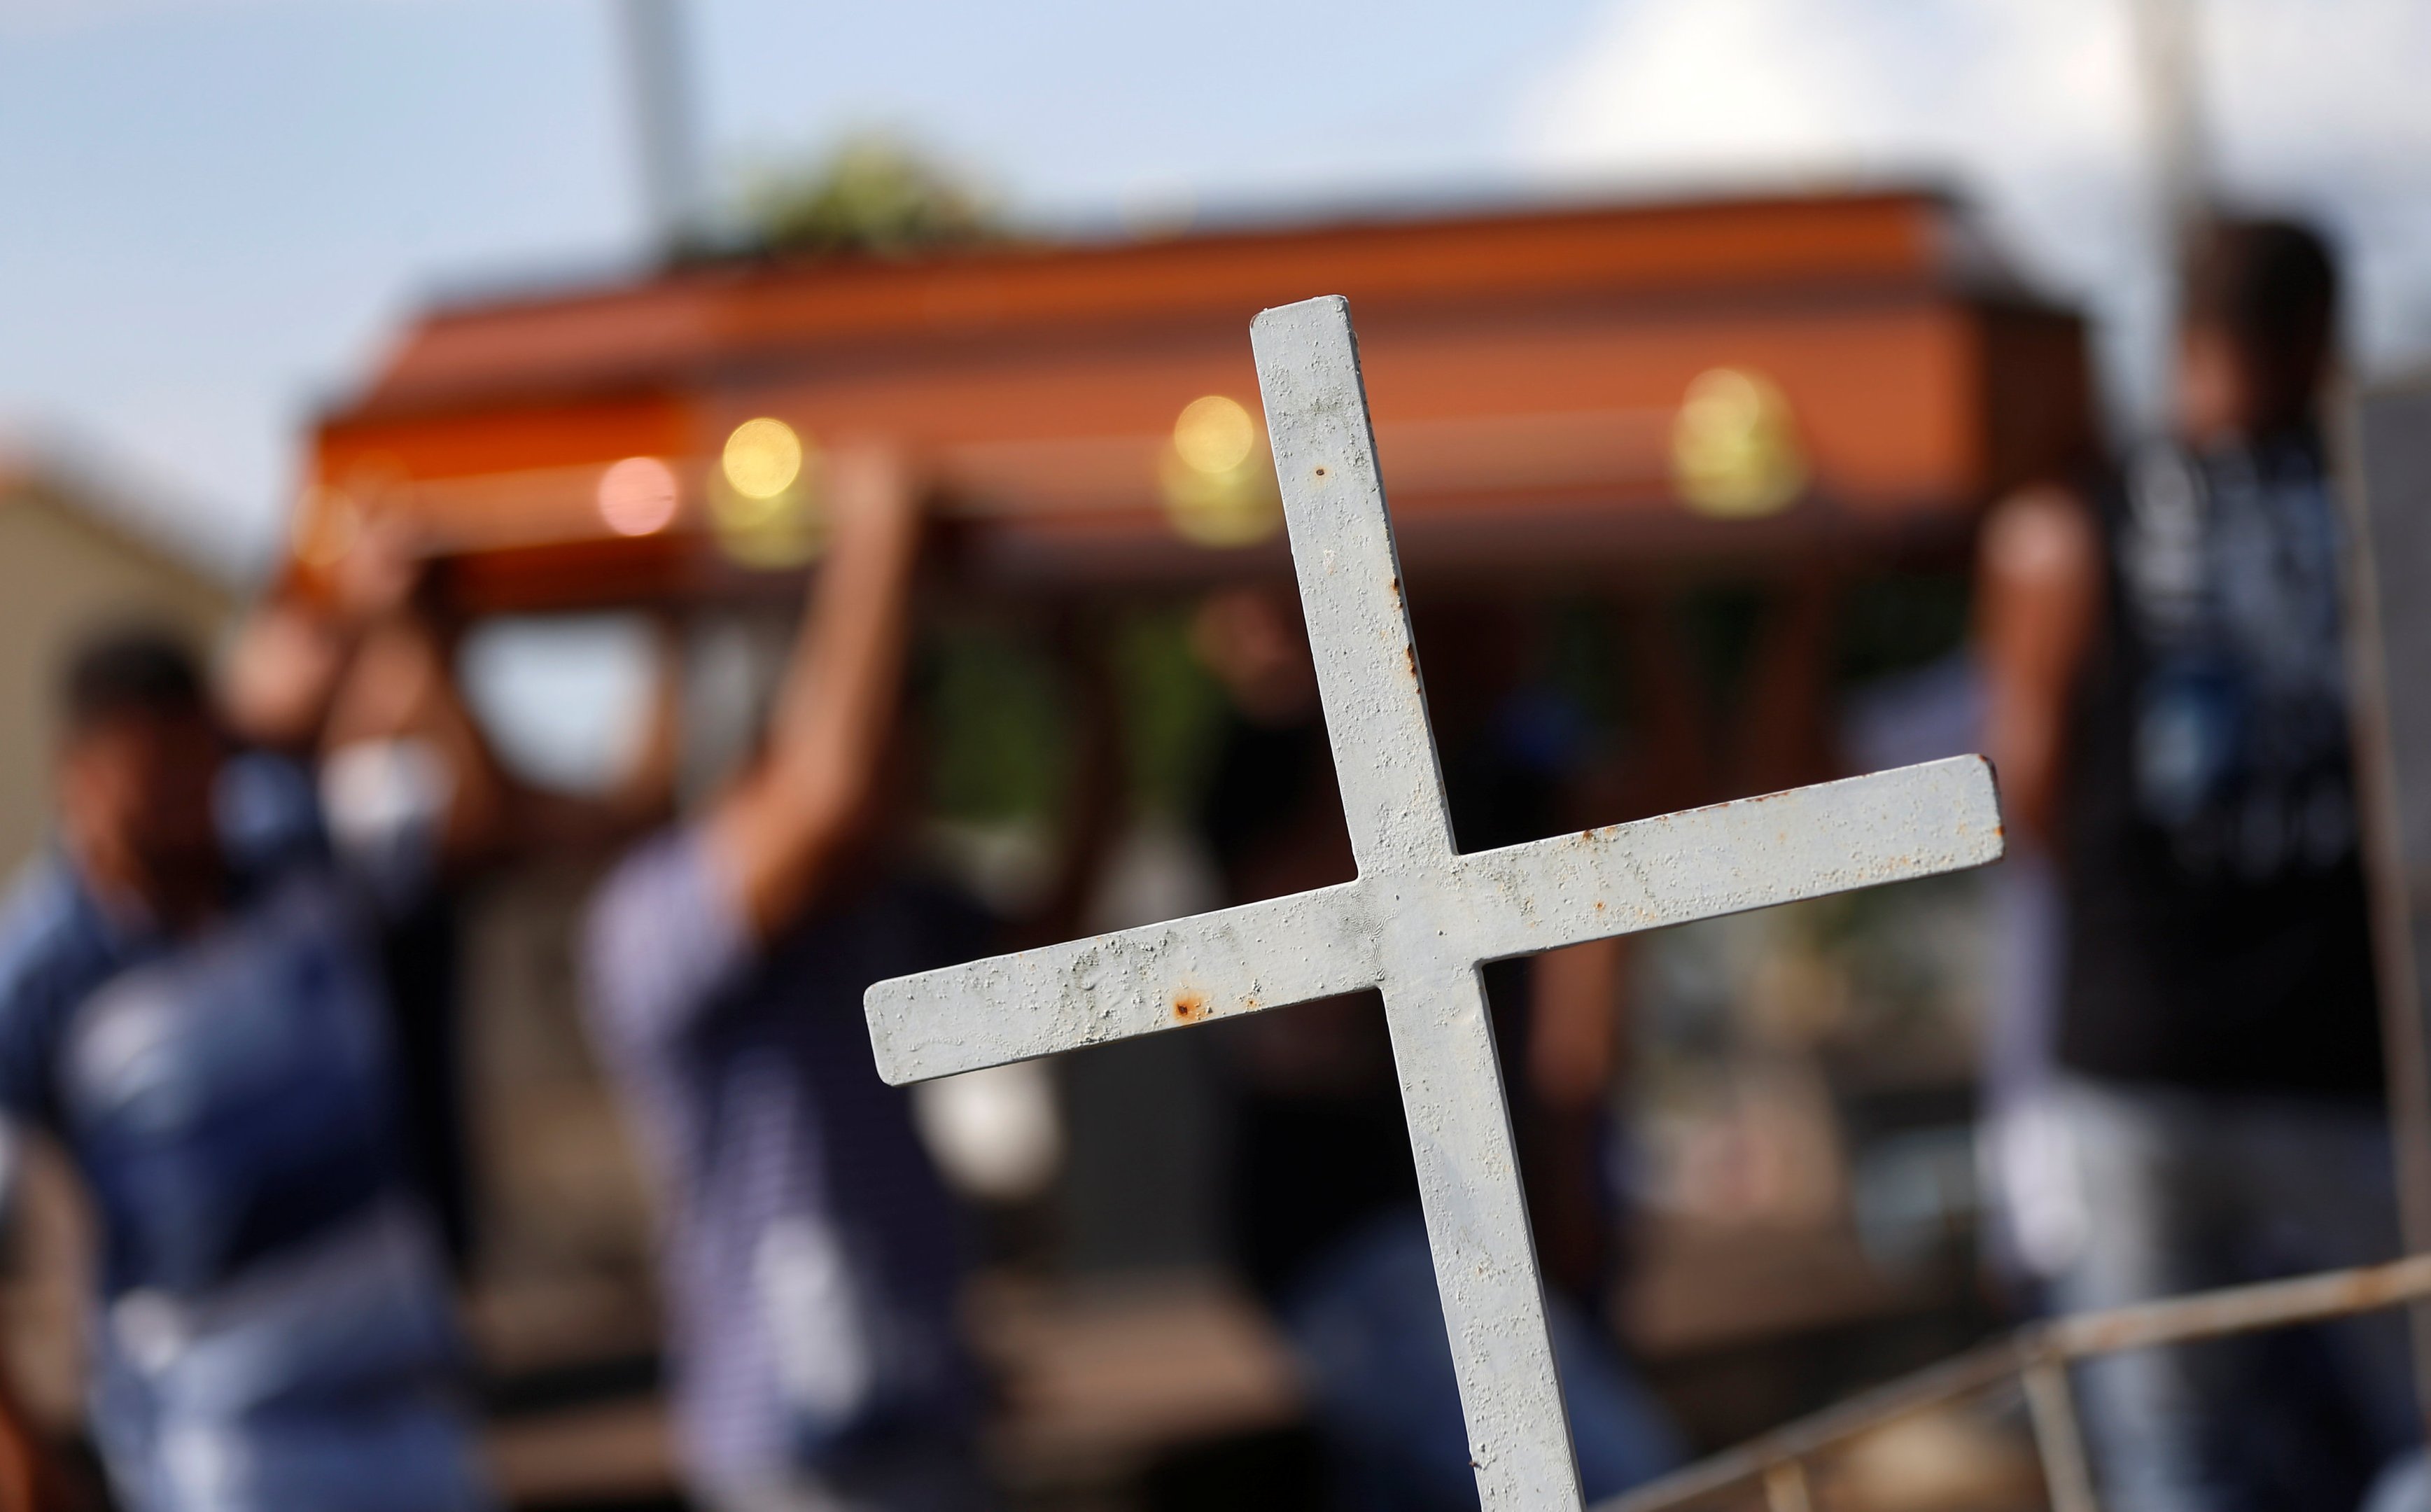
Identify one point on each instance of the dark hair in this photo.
(130, 669)
(2272, 287)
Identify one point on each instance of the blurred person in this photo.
(389, 712)
(810, 1252)
(358, 714)
(2169, 710)
(190, 1005)
(1325, 1191)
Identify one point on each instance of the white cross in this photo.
(1421, 917)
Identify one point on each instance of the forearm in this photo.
(779, 832)
(294, 659)
(476, 810)
(835, 713)
(644, 794)
(282, 672)
(2039, 607)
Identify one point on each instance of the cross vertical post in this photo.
(1400, 833)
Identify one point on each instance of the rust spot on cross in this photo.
(1189, 1004)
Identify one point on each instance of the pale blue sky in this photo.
(216, 210)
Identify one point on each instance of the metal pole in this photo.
(2240, 1309)
(660, 100)
(2175, 1320)
(2384, 467)
(2168, 45)
(1951, 1381)
(2067, 1479)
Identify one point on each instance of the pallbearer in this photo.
(2172, 706)
(809, 1256)
(191, 1004)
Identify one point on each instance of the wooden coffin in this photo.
(1555, 391)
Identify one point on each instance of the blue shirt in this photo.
(811, 1254)
(270, 1296)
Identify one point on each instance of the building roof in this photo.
(145, 519)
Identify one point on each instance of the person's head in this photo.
(2257, 327)
(139, 759)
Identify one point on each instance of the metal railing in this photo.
(2037, 1358)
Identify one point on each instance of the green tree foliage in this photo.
(999, 722)
(872, 196)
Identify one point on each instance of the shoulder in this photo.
(55, 949)
(48, 932)
(662, 934)
(663, 879)
(2037, 516)
(2043, 536)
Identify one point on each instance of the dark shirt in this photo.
(1322, 1147)
(2216, 912)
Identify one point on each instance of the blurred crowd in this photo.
(225, 994)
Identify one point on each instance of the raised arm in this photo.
(282, 673)
(777, 835)
(293, 656)
(2040, 598)
(362, 661)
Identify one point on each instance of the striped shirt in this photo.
(809, 1254)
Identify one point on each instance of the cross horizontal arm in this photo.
(1915, 821)
(1160, 976)
(1751, 853)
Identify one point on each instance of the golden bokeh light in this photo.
(638, 496)
(762, 458)
(1735, 451)
(1214, 434)
(765, 497)
(1217, 478)
(1235, 508)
